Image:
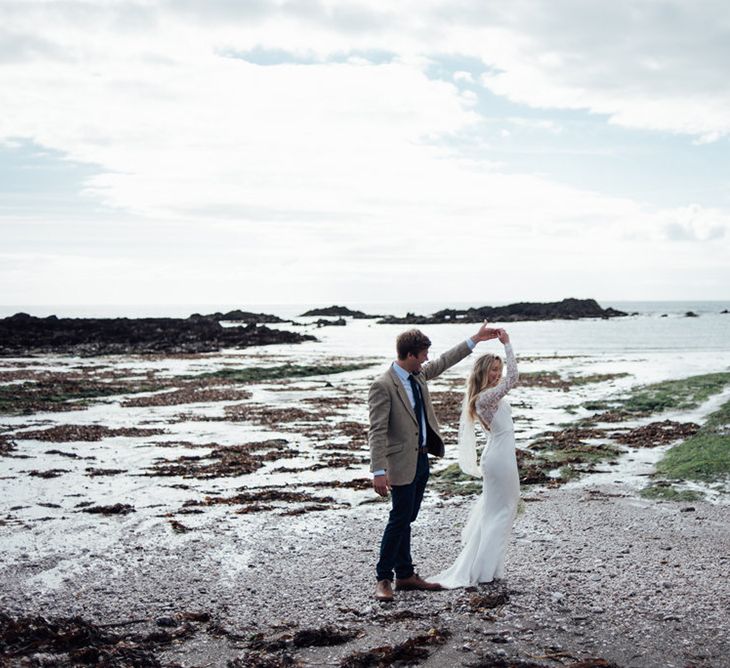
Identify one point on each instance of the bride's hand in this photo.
(485, 333)
(503, 336)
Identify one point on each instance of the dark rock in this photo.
(50, 473)
(340, 322)
(116, 509)
(338, 311)
(6, 445)
(166, 621)
(22, 334)
(241, 316)
(691, 314)
(567, 309)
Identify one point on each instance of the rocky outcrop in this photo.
(338, 311)
(567, 309)
(340, 322)
(242, 316)
(24, 334)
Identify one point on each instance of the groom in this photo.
(403, 430)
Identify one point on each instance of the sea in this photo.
(652, 326)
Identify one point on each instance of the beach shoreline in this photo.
(590, 572)
(214, 507)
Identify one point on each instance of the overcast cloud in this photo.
(258, 152)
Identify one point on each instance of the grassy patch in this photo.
(681, 394)
(258, 374)
(568, 473)
(704, 456)
(666, 492)
(571, 451)
(452, 481)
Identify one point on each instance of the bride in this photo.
(484, 538)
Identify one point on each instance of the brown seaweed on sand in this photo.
(280, 418)
(356, 483)
(48, 473)
(490, 660)
(413, 650)
(80, 641)
(324, 636)
(93, 472)
(657, 433)
(260, 499)
(258, 659)
(224, 461)
(481, 602)
(447, 405)
(64, 433)
(189, 395)
(565, 438)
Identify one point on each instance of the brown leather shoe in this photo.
(384, 590)
(416, 582)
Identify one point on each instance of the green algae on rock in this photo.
(665, 491)
(679, 394)
(705, 456)
(257, 374)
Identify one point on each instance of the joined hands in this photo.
(485, 333)
(503, 336)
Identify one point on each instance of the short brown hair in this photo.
(411, 341)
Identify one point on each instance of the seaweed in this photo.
(704, 456)
(680, 394)
(413, 650)
(257, 374)
(116, 509)
(666, 491)
(656, 433)
(224, 461)
(64, 433)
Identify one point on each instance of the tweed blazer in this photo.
(393, 433)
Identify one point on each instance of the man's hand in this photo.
(485, 333)
(381, 484)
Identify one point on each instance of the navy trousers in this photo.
(395, 547)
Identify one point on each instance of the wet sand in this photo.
(202, 523)
(591, 572)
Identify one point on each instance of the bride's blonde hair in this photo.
(478, 380)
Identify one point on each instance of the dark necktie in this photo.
(418, 408)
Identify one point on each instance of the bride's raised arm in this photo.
(487, 400)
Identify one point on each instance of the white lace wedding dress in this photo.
(487, 531)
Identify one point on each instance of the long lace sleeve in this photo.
(486, 404)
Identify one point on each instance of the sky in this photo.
(328, 151)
